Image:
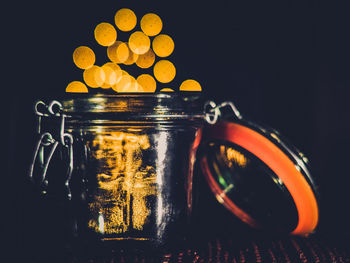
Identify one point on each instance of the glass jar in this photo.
(124, 166)
(128, 163)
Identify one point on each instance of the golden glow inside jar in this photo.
(124, 182)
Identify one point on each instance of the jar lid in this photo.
(258, 176)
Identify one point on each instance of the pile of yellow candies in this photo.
(145, 48)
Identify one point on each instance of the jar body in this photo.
(133, 159)
(133, 183)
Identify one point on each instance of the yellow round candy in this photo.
(105, 34)
(131, 58)
(133, 86)
(146, 60)
(105, 86)
(139, 43)
(124, 73)
(123, 82)
(110, 75)
(147, 82)
(163, 45)
(164, 71)
(136, 87)
(77, 86)
(151, 24)
(83, 57)
(190, 85)
(118, 52)
(94, 77)
(166, 90)
(116, 68)
(125, 19)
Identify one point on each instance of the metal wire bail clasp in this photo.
(213, 111)
(48, 143)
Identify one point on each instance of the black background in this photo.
(283, 63)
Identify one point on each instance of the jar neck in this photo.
(158, 107)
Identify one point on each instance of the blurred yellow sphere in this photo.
(116, 68)
(190, 85)
(110, 75)
(94, 77)
(123, 82)
(164, 71)
(125, 73)
(163, 45)
(166, 90)
(131, 58)
(146, 60)
(125, 19)
(105, 34)
(83, 57)
(118, 52)
(105, 86)
(77, 86)
(136, 87)
(139, 43)
(133, 86)
(147, 82)
(151, 24)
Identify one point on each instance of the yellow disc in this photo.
(118, 52)
(110, 75)
(139, 43)
(112, 52)
(166, 90)
(123, 83)
(123, 73)
(105, 34)
(163, 45)
(77, 86)
(147, 82)
(146, 60)
(133, 86)
(190, 85)
(83, 57)
(94, 77)
(125, 19)
(131, 58)
(164, 71)
(117, 70)
(151, 24)
(105, 86)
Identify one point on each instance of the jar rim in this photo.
(185, 105)
(134, 95)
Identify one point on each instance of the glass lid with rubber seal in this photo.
(256, 174)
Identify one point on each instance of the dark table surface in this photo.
(263, 249)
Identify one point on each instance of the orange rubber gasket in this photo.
(303, 196)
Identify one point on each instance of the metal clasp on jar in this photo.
(47, 145)
(213, 111)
